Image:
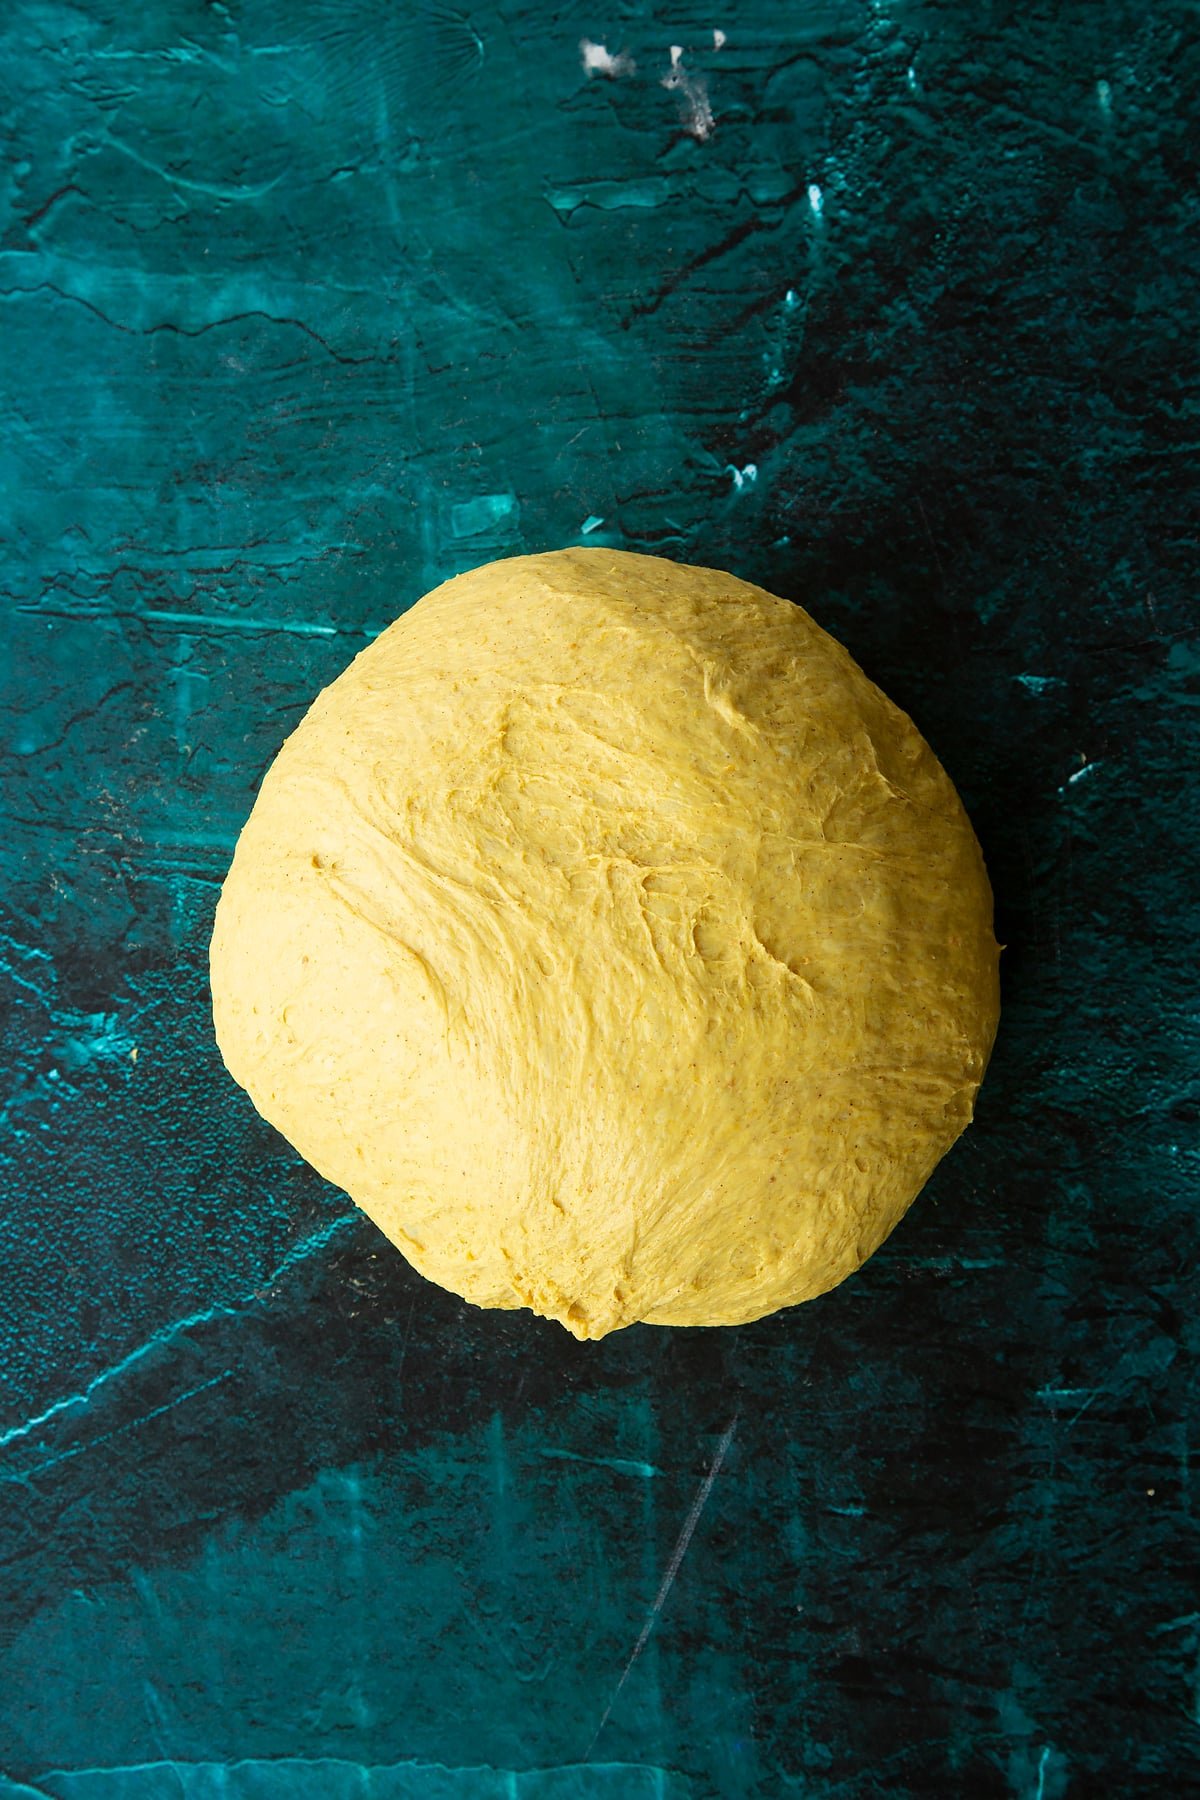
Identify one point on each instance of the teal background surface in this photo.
(305, 307)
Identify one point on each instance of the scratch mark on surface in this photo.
(932, 540)
(307, 1247)
(408, 1325)
(129, 1425)
(216, 190)
(1052, 1395)
(251, 1773)
(184, 621)
(620, 1464)
(1183, 1623)
(672, 1570)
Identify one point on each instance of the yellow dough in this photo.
(614, 942)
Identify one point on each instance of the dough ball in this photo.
(614, 942)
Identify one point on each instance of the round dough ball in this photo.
(614, 942)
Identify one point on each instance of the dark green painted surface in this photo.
(305, 307)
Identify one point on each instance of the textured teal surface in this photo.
(306, 307)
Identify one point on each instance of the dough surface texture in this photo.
(614, 942)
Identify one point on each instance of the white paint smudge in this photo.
(719, 40)
(597, 60)
(697, 111)
(1104, 98)
(816, 199)
(743, 477)
(470, 517)
(593, 522)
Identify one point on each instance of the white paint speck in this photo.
(1104, 98)
(912, 79)
(816, 199)
(1087, 768)
(698, 113)
(597, 60)
(791, 299)
(743, 477)
(719, 40)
